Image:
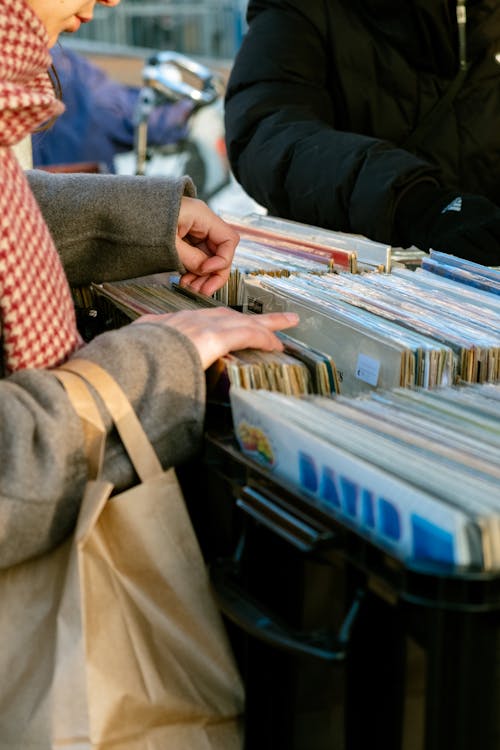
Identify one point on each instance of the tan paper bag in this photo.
(139, 657)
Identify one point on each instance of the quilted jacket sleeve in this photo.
(284, 143)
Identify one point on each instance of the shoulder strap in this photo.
(94, 429)
(431, 120)
(136, 442)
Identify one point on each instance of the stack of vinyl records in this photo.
(254, 258)
(299, 369)
(413, 470)
(349, 252)
(463, 271)
(407, 328)
(422, 328)
(279, 247)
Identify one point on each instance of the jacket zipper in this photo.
(461, 11)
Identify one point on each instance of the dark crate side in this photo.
(342, 646)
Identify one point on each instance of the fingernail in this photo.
(292, 317)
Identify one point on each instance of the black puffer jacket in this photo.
(324, 94)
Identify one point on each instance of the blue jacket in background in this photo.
(98, 121)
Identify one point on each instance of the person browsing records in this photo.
(71, 229)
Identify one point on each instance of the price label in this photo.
(367, 369)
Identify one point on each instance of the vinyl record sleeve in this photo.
(400, 517)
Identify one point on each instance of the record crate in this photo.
(341, 645)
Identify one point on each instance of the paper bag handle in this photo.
(94, 429)
(136, 442)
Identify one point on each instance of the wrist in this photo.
(412, 212)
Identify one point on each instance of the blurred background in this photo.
(120, 39)
(100, 124)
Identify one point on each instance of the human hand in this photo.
(219, 330)
(206, 246)
(460, 224)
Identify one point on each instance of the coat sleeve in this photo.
(104, 227)
(111, 227)
(283, 142)
(43, 469)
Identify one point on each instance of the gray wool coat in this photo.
(105, 227)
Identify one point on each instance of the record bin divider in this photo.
(248, 521)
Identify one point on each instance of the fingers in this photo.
(206, 229)
(205, 284)
(218, 331)
(276, 321)
(205, 244)
(197, 263)
(226, 330)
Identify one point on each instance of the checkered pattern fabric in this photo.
(36, 309)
